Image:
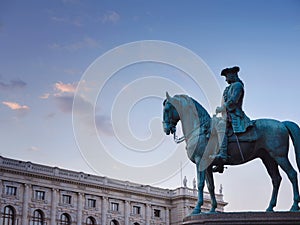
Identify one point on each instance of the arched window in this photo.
(90, 221)
(114, 222)
(65, 219)
(8, 216)
(38, 217)
(136, 223)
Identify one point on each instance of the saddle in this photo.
(249, 135)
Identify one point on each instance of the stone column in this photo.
(104, 209)
(148, 214)
(53, 207)
(167, 216)
(79, 208)
(127, 212)
(25, 205)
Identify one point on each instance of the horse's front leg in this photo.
(211, 188)
(200, 183)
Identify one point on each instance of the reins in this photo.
(184, 137)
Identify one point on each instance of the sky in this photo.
(53, 52)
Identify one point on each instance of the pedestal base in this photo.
(241, 218)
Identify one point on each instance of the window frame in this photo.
(157, 213)
(38, 217)
(9, 215)
(65, 219)
(136, 210)
(90, 220)
(39, 195)
(66, 199)
(11, 190)
(114, 206)
(91, 203)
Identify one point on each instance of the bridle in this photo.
(173, 126)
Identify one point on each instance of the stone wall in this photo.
(31, 190)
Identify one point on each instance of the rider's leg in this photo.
(222, 139)
(221, 157)
(223, 148)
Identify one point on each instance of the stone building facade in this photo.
(34, 194)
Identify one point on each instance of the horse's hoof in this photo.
(269, 210)
(196, 211)
(295, 208)
(212, 211)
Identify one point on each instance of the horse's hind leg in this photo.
(272, 168)
(292, 175)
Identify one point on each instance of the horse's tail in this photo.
(294, 132)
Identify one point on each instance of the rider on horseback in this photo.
(231, 109)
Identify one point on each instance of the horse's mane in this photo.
(201, 111)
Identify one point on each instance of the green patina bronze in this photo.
(246, 140)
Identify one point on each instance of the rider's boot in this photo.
(223, 141)
(222, 156)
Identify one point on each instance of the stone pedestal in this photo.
(241, 218)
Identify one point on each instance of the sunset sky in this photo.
(47, 46)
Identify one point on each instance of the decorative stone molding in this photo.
(81, 186)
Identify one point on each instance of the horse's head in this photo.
(170, 116)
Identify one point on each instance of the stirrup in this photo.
(218, 168)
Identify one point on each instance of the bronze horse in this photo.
(271, 146)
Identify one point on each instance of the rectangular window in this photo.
(66, 199)
(91, 203)
(11, 190)
(114, 206)
(39, 195)
(156, 213)
(136, 210)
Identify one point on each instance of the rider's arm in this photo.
(234, 98)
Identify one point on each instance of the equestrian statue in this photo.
(232, 139)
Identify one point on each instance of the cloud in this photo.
(64, 102)
(63, 96)
(65, 88)
(103, 124)
(15, 106)
(50, 115)
(33, 149)
(45, 96)
(86, 43)
(12, 84)
(110, 17)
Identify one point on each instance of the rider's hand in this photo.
(219, 109)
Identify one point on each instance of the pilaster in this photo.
(25, 204)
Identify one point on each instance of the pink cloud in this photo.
(15, 106)
(65, 88)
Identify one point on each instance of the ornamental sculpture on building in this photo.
(232, 139)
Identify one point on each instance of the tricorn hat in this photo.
(232, 70)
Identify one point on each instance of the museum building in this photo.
(34, 194)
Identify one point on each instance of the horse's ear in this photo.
(168, 96)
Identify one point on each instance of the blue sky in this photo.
(46, 46)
